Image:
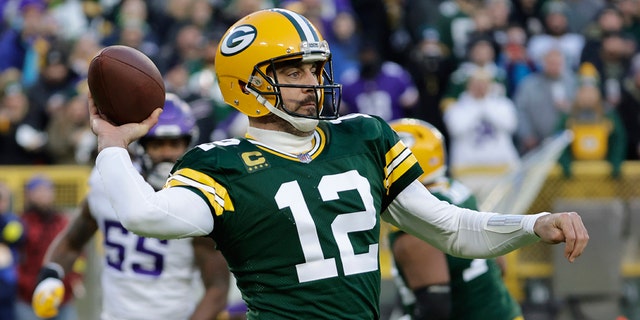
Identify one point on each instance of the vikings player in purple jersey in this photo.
(142, 277)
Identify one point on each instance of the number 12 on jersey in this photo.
(316, 266)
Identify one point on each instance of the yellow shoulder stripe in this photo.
(216, 194)
(398, 161)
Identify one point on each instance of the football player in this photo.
(431, 285)
(295, 205)
(142, 277)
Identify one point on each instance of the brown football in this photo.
(125, 84)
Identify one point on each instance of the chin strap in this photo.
(300, 123)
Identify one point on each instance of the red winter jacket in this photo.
(40, 230)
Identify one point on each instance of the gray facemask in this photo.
(158, 174)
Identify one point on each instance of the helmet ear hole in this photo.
(243, 86)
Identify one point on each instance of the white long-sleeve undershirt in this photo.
(179, 213)
(458, 231)
(168, 213)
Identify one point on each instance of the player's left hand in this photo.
(110, 135)
(563, 227)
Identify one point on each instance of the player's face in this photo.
(299, 100)
(165, 150)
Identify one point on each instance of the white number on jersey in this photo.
(126, 251)
(477, 268)
(316, 266)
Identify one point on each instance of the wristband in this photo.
(50, 270)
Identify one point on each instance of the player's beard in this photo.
(303, 106)
(298, 125)
(285, 125)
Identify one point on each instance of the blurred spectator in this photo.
(233, 10)
(481, 56)
(94, 14)
(132, 29)
(4, 23)
(609, 20)
(612, 63)
(22, 45)
(485, 28)
(71, 140)
(481, 125)
(455, 25)
(514, 59)
(582, 12)
(629, 109)
(399, 38)
(320, 12)
(430, 64)
(419, 14)
(187, 50)
(541, 99)
(14, 105)
(556, 35)
(136, 34)
(499, 11)
(374, 19)
(203, 82)
(176, 80)
(56, 80)
(70, 18)
(609, 48)
(167, 17)
(206, 15)
(528, 15)
(82, 51)
(344, 37)
(598, 131)
(630, 10)
(42, 222)
(378, 87)
(11, 237)
(47, 96)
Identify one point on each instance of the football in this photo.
(125, 84)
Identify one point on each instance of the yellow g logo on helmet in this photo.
(427, 145)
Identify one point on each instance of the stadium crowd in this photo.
(496, 77)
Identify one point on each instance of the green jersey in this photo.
(477, 289)
(301, 232)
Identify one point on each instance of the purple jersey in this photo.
(386, 96)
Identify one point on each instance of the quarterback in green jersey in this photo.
(295, 205)
(474, 286)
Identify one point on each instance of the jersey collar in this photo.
(318, 142)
